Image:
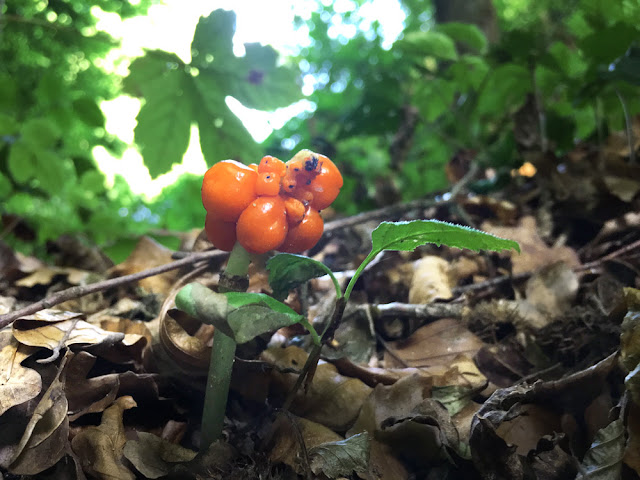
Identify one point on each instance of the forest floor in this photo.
(448, 364)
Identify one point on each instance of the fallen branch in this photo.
(82, 290)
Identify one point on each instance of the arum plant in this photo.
(238, 317)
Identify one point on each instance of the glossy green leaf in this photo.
(407, 236)
(429, 44)
(242, 316)
(287, 271)
(53, 172)
(164, 122)
(603, 460)
(465, 33)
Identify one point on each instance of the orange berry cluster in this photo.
(269, 206)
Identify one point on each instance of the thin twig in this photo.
(82, 290)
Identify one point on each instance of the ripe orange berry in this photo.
(304, 235)
(295, 210)
(273, 165)
(222, 234)
(262, 226)
(268, 184)
(326, 186)
(228, 188)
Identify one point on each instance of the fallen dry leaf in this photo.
(45, 436)
(436, 343)
(534, 251)
(431, 280)
(55, 329)
(46, 274)
(17, 383)
(332, 400)
(153, 457)
(100, 448)
(148, 254)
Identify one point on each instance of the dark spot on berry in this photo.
(268, 176)
(311, 165)
(309, 182)
(291, 186)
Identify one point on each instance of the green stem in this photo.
(221, 363)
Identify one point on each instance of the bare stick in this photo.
(82, 290)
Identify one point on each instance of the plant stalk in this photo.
(222, 356)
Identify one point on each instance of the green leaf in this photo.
(341, 458)
(287, 271)
(53, 172)
(603, 460)
(146, 70)
(40, 133)
(607, 44)
(429, 44)
(21, 162)
(8, 125)
(425, 44)
(212, 43)
(5, 186)
(164, 122)
(89, 112)
(8, 92)
(242, 316)
(261, 83)
(222, 134)
(468, 34)
(505, 90)
(453, 397)
(93, 181)
(406, 236)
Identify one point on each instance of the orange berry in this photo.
(228, 188)
(222, 234)
(262, 226)
(268, 184)
(326, 186)
(272, 164)
(254, 167)
(304, 235)
(295, 210)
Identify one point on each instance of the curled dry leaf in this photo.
(288, 434)
(45, 436)
(100, 448)
(431, 280)
(17, 383)
(332, 400)
(55, 329)
(153, 457)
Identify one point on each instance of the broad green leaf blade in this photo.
(21, 162)
(164, 121)
(89, 112)
(287, 271)
(603, 461)
(406, 236)
(506, 89)
(341, 458)
(468, 34)
(205, 305)
(430, 43)
(453, 397)
(241, 316)
(252, 314)
(146, 70)
(212, 43)
(261, 83)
